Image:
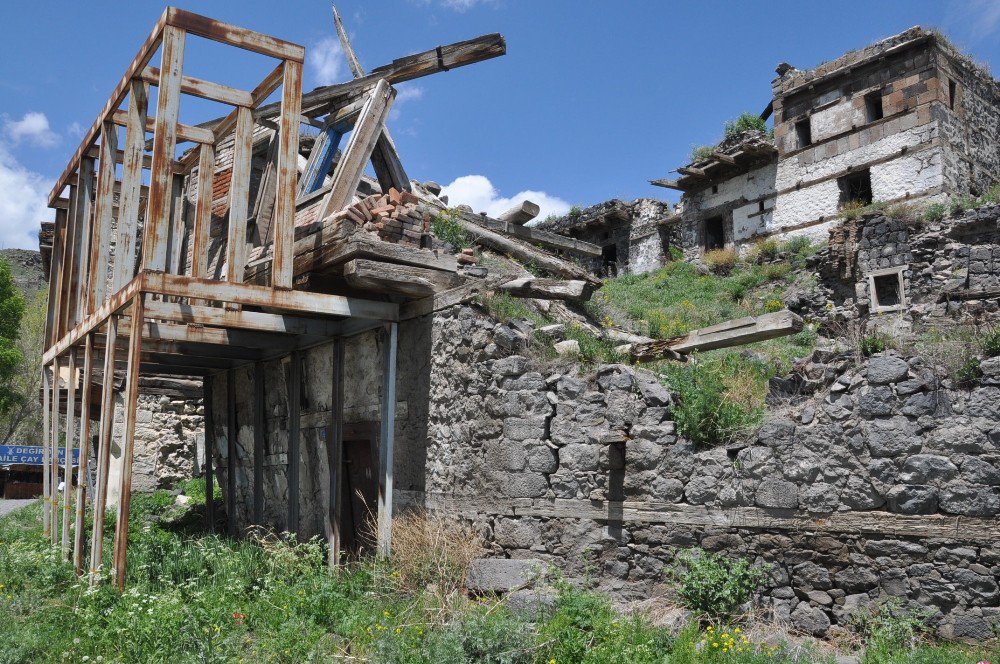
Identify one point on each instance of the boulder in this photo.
(810, 619)
(887, 369)
(568, 348)
(503, 575)
(778, 493)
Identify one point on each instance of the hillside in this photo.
(26, 266)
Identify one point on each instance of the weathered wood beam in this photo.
(84, 444)
(724, 158)
(232, 430)
(538, 236)
(71, 381)
(288, 156)
(46, 438)
(548, 289)
(183, 132)
(103, 210)
(668, 184)
(197, 315)
(203, 89)
(239, 196)
(335, 455)
(104, 434)
(400, 279)
(294, 448)
(520, 214)
(233, 35)
(208, 399)
(692, 172)
(54, 450)
(131, 185)
(724, 335)
(386, 441)
(203, 211)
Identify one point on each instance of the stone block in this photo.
(886, 369)
(969, 499)
(514, 365)
(810, 619)
(927, 469)
(912, 499)
(580, 457)
(517, 428)
(568, 348)
(531, 605)
(503, 575)
(777, 493)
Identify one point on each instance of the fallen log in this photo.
(538, 236)
(400, 279)
(735, 332)
(520, 214)
(548, 289)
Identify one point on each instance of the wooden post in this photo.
(104, 434)
(157, 223)
(54, 453)
(385, 441)
(128, 446)
(52, 312)
(175, 260)
(203, 211)
(294, 397)
(103, 211)
(79, 295)
(232, 430)
(259, 432)
(288, 155)
(46, 436)
(239, 196)
(209, 453)
(83, 468)
(65, 295)
(68, 462)
(335, 453)
(129, 201)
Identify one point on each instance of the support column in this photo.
(128, 446)
(83, 468)
(46, 441)
(209, 454)
(232, 430)
(335, 454)
(54, 453)
(259, 432)
(294, 398)
(105, 430)
(68, 462)
(385, 441)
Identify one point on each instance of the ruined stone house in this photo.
(908, 118)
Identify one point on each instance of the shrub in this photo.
(446, 227)
(969, 371)
(851, 210)
(889, 631)
(990, 342)
(713, 585)
(746, 121)
(430, 549)
(874, 342)
(907, 212)
(574, 212)
(702, 152)
(935, 212)
(773, 304)
(763, 251)
(720, 261)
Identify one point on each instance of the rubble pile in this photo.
(395, 217)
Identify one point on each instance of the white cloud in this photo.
(75, 130)
(33, 128)
(405, 92)
(326, 62)
(465, 5)
(23, 203)
(974, 19)
(478, 192)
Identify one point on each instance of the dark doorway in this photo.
(609, 260)
(856, 188)
(359, 492)
(715, 234)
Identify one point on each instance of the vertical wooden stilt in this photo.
(46, 442)
(128, 446)
(83, 468)
(68, 463)
(259, 433)
(232, 430)
(209, 454)
(335, 454)
(294, 453)
(386, 440)
(104, 432)
(54, 453)
(286, 175)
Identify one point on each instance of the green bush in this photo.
(989, 340)
(875, 342)
(935, 212)
(720, 261)
(448, 229)
(969, 371)
(763, 251)
(890, 631)
(746, 121)
(713, 585)
(702, 152)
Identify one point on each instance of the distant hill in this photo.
(26, 266)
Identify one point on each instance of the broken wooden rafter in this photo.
(692, 172)
(668, 184)
(520, 214)
(399, 279)
(735, 332)
(548, 289)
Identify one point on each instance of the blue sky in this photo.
(591, 100)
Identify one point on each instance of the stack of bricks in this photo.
(395, 217)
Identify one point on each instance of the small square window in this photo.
(803, 131)
(715, 188)
(952, 93)
(886, 289)
(856, 188)
(873, 106)
(760, 206)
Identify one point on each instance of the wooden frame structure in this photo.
(132, 268)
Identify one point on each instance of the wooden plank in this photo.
(335, 454)
(128, 444)
(82, 208)
(204, 89)
(401, 279)
(449, 298)
(538, 236)
(141, 59)
(46, 441)
(263, 206)
(203, 212)
(724, 335)
(209, 408)
(182, 132)
(359, 149)
(239, 196)
(68, 462)
(68, 259)
(259, 434)
(261, 296)
(232, 430)
(114, 303)
(520, 214)
(52, 332)
(294, 449)
(548, 289)
(54, 451)
(129, 203)
(668, 184)
(104, 434)
(176, 260)
(288, 156)
(244, 320)
(234, 35)
(692, 172)
(320, 160)
(84, 466)
(386, 441)
(267, 86)
(104, 204)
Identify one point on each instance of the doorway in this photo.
(715, 234)
(359, 490)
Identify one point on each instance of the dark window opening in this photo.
(952, 93)
(609, 260)
(760, 206)
(803, 131)
(715, 188)
(715, 236)
(887, 290)
(873, 106)
(856, 188)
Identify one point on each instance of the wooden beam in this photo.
(724, 335)
(128, 443)
(182, 132)
(294, 450)
(538, 236)
(52, 322)
(288, 156)
(203, 212)
(46, 438)
(204, 89)
(239, 196)
(244, 320)
(668, 184)
(67, 270)
(68, 462)
(320, 160)
(386, 439)
(129, 202)
(82, 208)
(259, 434)
(724, 158)
(104, 204)
(263, 205)
(520, 214)
(117, 301)
(692, 172)
(401, 279)
(104, 434)
(234, 35)
(359, 149)
(177, 247)
(208, 401)
(232, 430)
(84, 466)
(548, 289)
(54, 451)
(335, 454)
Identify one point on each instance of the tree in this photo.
(11, 357)
(25, 417)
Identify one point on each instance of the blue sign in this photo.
(30, 455)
